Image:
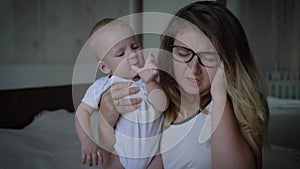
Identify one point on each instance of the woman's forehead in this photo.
(194, 39)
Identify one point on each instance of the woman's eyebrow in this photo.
(206, 52)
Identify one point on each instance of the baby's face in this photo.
(122, 56)
(120, 49)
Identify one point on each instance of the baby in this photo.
(137, 133)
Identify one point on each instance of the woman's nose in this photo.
(194, 65)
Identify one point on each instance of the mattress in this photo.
(49, 142)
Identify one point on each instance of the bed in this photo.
(48, 142)
(39, 133)
(37, 129)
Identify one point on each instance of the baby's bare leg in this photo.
(110, 160)
(156, 163)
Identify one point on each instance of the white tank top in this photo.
(186, 145)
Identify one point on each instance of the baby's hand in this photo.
(91, 153)
(149, 72)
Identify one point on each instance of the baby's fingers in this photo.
(151, 63)
(99, 157)
(83, 157)
(150, 58)
(135, 68)
(95, 158)
(89, 159)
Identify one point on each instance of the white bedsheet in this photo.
(49, 142)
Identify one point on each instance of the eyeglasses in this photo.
(183, 54)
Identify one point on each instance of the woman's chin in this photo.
(191, 90)
(195, 90)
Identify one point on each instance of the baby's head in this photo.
(116, 47)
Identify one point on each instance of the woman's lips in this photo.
(193, 81)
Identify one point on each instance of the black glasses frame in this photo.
(193, 55)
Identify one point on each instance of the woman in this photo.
(214, 85)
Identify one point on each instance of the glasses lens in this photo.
(209, 59)
(181, 54)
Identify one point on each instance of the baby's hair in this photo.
(100, 24)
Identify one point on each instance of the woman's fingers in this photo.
(127, 105)
(128, 102)
(120, 90)
(117, 86)
(126, 109)
(114, 97)
(218, 83)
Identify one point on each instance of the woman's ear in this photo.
(103, 67)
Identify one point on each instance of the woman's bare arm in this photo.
(228, 145)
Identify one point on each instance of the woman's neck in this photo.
(196, 100)
(191, 105)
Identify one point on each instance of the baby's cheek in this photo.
(125, 71)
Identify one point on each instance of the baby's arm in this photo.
(148, 73)
(90, 150)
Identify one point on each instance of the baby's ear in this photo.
(103, 67)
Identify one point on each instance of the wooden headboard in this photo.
(18, 107)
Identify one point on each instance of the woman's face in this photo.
(193, 77)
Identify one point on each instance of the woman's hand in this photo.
(219, 96)
(112, 102)
(218, 84)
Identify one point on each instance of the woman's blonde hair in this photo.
(245, 84)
